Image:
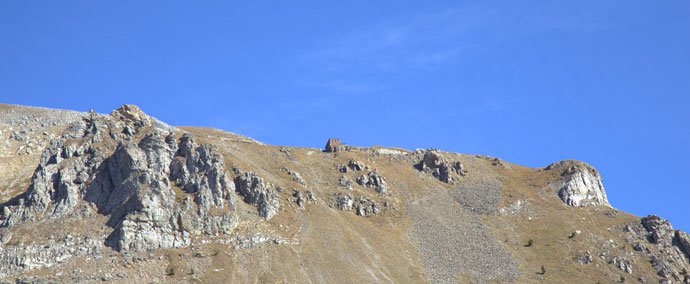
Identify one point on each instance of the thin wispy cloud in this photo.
(426, 40)
(388, 47)
(343, 86)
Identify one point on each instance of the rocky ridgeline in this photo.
(440, 166)
(581, 184)
(667, 249)
(136, 184)
(127, 165)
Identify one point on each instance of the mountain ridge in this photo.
(154, 188)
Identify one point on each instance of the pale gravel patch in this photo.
(482, 196)
(451, 238)
(37, 116)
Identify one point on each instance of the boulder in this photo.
(366, 207)
(295, 176)
(300, 199)
(344, 201)
(345, 182)
(622, 264)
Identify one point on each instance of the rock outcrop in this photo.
(373, 180)
(257, 192)
(441, 167)
(36, 256)
(622, 264)
(581, 186)
(295, 176)
(362, 206)
(660, 231)
(353, 165)
(344, 202)
(345, 182)
(666, 248)
(302, 199)
(122, 165)
(366, 207)
(200, 170)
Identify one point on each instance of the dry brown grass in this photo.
(333, 246)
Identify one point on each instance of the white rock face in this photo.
(581, 185)
(583, 189)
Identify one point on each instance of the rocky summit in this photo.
(124, 197)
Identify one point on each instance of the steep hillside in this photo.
(88, 197)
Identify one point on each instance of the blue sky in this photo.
(533, 82)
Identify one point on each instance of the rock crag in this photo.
(80, 172)
(581, 184)
(434, 162)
